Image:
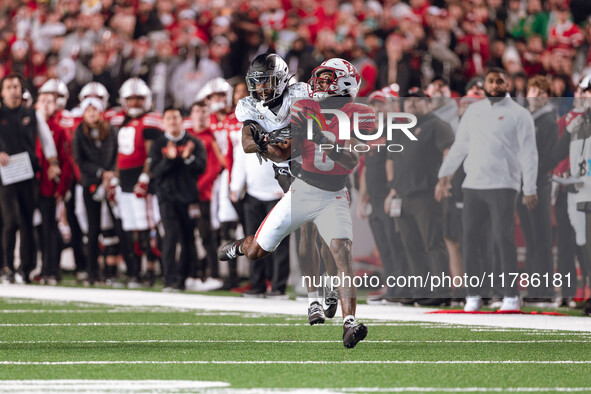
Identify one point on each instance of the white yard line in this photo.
(295, 362)
(286, 307)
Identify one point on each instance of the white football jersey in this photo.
(250, 109)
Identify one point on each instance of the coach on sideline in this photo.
(497, 138)
(19, 127)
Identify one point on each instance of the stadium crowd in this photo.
(111, 78)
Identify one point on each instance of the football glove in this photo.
(280, 136)
(141, 187)
(260, 137)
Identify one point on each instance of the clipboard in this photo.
(18, 169)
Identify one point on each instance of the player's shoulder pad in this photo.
(187, 124)
(357, 107)
(306, 106)
(152, 120)
(366, 116)
(298, 90)
(245, 109)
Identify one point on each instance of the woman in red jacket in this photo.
(52, 190)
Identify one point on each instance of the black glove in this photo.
(280, 136)
(260, 137)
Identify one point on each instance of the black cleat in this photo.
(230, 251)
(316, 314)
(587, 308)
(353, 333)
(331, 299)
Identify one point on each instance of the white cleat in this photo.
(473, 304)
(212, 284)
(510, 304)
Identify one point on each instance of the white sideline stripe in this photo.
(335, 323)
(79, 385)
(468, 389)
(312, 362)
(405, 390)
(82, 385)
(464, 389)
(287, 307)
(291, 342)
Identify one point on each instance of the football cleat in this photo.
(353, 333)
(331, 299)
(230, 251)
(316, 314)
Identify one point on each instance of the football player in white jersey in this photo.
(322, 196)
(268, 109)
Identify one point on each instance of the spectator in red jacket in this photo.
(564, 34)
(52, 191)
(199, 128)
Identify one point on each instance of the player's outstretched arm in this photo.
(255, 140)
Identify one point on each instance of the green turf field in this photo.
(62, 341)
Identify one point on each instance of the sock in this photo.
(348, 318)
(314, 297)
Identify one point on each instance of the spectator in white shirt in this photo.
(496, 137)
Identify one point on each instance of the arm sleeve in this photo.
(159, 165)
(560, 152)
(444, 137)
(47, 143)
(528, 153)
(459, 149)
(114, 149)
(548, 136)
(67, 175)
(86, 166)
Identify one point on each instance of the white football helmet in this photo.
(585, 82)
(216, 85)
(95, 89)
(344, 79)
(59, 88)
(267, 73)
(135, 87)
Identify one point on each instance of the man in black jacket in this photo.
(536, 224)
(176, 160)
(18, 134)
(412, 176)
